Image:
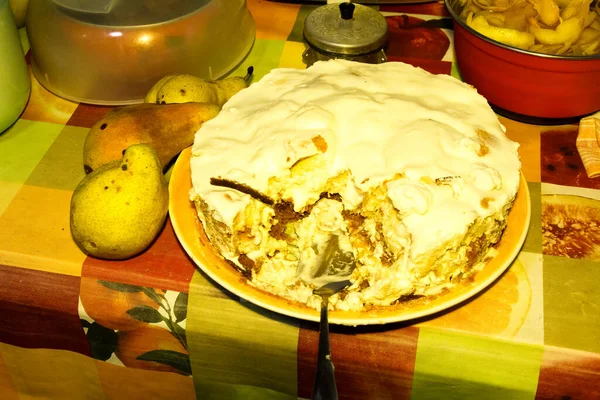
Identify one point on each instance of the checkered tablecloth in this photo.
(155, 327)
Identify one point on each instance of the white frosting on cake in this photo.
(378, 121)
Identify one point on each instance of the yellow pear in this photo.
(185, 88)
(19, 10)
(119, 209)
(151, 95)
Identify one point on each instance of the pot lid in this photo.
(345, 28)
(127, 13)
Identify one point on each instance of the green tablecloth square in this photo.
(8, 191)
(453, 365)
(264, 56)
(297, 33)
(23, 146)
(24, 40)
(237, 349)
(455, 72)
(571, 303)
(62, 165)
(218, 391)
(533, 241)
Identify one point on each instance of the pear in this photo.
(184, 88)
(19, 11)
(119, 209)
(167, 128)
(151, 95)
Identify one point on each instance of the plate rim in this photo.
(180, 179)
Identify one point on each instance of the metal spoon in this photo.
(335, 268)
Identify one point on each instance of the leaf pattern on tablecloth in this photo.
(135, 326)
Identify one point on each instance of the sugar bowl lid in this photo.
(345, 28)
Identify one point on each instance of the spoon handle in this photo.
(324, 387)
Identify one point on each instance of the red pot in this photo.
(523, 82)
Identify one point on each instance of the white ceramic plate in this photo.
(191, 235)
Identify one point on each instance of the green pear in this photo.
(119, 208)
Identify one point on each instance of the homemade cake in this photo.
(413, 171)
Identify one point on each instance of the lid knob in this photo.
(346, 10)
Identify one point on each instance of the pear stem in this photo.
(249, 73)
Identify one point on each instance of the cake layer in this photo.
(412, 170)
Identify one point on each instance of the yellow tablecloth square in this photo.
(39, 237)
(52, 374)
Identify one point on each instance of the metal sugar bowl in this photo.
(345, 30)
